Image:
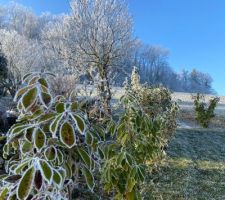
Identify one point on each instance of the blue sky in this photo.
(193, 30)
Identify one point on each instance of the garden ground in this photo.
(194, 168)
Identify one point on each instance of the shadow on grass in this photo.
(193, 170)
(198, 144)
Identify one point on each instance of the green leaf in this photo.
(2, 176)
(131, 195)
(74, 106)
(89, 138)
(33, 80)
(26, 147)
(88, 177)
(29, 98)
(39, 139)
(3, 193)
(85, 157)
(141, 173)
(46, 170)
(26, 184)
(21, 167)
(55, 124)
(21, 91)
(68, 168)
(80, 123)
(101, 154)
(43, 82)
(129, 159)
(130, 184)
(37, 114)
(29, 134)
(46, 117)
(60, 107)
(17, 128)
(46, 98)
(60, 157)
(50, 153)
(57, 178)
(67, 135)
(120, 158)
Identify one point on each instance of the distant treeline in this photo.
(94, 42)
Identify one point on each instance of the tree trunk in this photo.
(105, 92)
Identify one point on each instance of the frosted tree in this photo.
(100, 34)
(23, 55)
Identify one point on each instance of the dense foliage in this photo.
(48, 149)
(157, 103)
(204, 113)
(55, 148)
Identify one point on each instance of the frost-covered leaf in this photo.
(50, 153)
(3, 193)
(26, 76)
(79, 122)
(21, 166)
(57, 179)
(33, 80)
(89, 138)
(26, 147)
(21, 92)
(68, 168)
(37, 113)
(12, 178)
(29, 134)
(67, 135)
(46, 98)
(29, 98)
(60, 157)
(3, 176)
(55, 124)
(88, 177)
(26, 184)
(74, 106)
(46, 117)
(43, 82)
(16, 129)
(60, 107)
(38, 181)
(39, 139)
(85, 157)
(46, 170)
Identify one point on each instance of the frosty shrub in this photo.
(157, 103)
(63, 84)
(54, 149)
(203, 112)
(50, 150)
(135, 143)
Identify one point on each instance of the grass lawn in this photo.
(194, 168)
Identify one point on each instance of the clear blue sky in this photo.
(193, 30)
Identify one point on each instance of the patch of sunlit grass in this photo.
(194, 168)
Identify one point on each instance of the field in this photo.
(194, 167)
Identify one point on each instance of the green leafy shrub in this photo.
(204, 113)
(147, 121)
(48, 151)
(54, 149)
(157, 103)
(136, 143)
